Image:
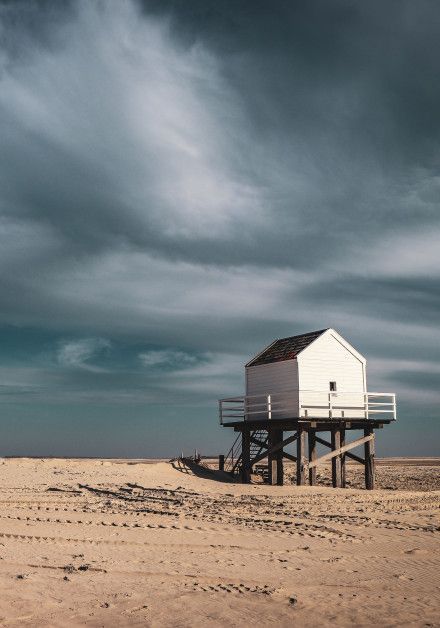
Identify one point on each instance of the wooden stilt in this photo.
(273, 474)
(275, 458)
(343, 457)
(369, 459)
(253, 440)
(312, 456)
(221, 462)
(336, 460)
(279, 459)
(245, 456)
(300, 457)
(271, 460)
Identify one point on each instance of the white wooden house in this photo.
(315, 375)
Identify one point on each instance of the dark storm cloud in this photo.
(181, 182)
(327, 136)
(329, 66)
(401, 298)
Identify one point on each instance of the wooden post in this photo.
(275, 459)
(270, 456)
(221, 462)
(343, 459)
(245, 455)
(300, 457)
(273, 475)
(336, 461)
(369, 459)
(312, 456)
(279, 458)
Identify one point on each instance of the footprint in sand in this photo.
(232, 588)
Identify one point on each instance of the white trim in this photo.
(320, 405)
(341, 341)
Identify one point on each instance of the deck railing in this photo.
(309, 404)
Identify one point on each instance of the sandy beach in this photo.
(113, 543)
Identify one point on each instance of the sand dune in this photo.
(107, 543)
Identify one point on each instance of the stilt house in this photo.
(313, 382)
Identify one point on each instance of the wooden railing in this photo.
(309, 404)
(233, 457)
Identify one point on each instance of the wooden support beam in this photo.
(275, 456)
(271, 456)
(354, 457)
(279, 459)
(300, 457)
(245, 456)
(312, 456)
(336, 460)
(349, 454)
(369, 458)
(221, 462)
(289, 456)
(343, 457)
(341, 450)
(321, 441)
(264, 454)
(273, 472)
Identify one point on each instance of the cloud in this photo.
(142, 154)
(168, 358)
(410, 254)
(79, 353)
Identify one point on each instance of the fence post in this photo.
(330, 410)
(220, 412)
(221, 462)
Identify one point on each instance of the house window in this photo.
(333, 386)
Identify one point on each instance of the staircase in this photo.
(256, 448)
(233, 457)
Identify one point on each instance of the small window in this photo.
(333, 386)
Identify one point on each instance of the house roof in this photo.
(285, 348)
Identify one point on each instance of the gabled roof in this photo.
(285, 348)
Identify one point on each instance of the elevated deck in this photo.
(262, 421)
(307, 406)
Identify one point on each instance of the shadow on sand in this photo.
(190, 467)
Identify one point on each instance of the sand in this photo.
(105, 543)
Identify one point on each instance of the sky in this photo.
(183, 182)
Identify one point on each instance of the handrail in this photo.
(231, 457)
(304, 404)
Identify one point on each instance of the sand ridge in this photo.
(105, 543)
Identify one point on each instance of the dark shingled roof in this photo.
(285, 348)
